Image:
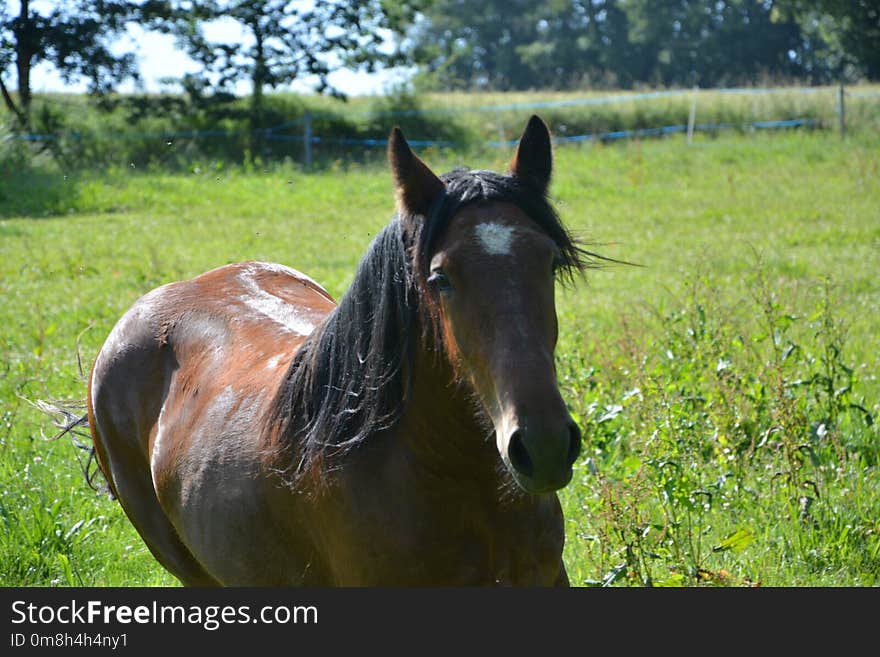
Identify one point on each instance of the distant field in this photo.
(727, 386)
(166, 136)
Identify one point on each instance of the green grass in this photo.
(719, 383)
(91, 139)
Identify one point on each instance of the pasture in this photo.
(726, 386)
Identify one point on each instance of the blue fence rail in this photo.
(279, 133)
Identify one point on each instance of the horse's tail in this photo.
(71, 419)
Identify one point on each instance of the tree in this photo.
(284, 41)
(75, 37)
(574, 43)
(709, 43)
(470, 44)
(844, 36)
(859, 32)
(519, 44)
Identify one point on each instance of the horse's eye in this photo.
(439, 281)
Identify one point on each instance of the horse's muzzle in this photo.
(541, 460)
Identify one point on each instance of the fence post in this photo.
(307, 140)
(501, 134)
(841, 109)
(692, 117)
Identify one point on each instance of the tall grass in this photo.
(168, 133)
(716, 409)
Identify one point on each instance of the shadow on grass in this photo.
(37, 194)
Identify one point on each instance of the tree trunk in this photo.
(24, 53)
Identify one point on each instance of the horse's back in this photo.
(177, 391)
(235, 326)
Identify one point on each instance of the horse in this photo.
(258, 433)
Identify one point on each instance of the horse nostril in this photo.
(519, 455)
(574, 444)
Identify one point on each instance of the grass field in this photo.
(727, 386)
(172, 137)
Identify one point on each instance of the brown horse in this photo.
(257, 433)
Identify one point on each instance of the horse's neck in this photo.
(442, 426)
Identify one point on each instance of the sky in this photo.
(160, 58)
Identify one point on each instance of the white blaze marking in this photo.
(275, 308)
(496, 239)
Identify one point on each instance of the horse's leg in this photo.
(133, 486)
(127, 470)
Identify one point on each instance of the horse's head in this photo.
(487, 249)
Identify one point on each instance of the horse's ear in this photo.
(534, 157)
(415, 185)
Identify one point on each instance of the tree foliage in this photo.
(277, 42)
(517, 44)
(75, 36)
(845, 35)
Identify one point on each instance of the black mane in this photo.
(351, 378)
